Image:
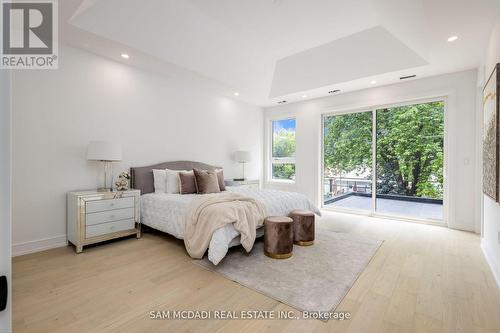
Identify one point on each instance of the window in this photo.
(283, 149)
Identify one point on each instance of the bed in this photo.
(166, 212)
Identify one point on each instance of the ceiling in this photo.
(273, 50)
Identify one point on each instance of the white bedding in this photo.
(165, 212)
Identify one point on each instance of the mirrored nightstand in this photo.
(95, 217)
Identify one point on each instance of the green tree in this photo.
(348, 143)
(284, 146)
(284, 143)
(283, 171)
(409, 148)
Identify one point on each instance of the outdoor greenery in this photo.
(284, 143)
(283, 171)
(348, 143)
(283, 147)
(409, 148)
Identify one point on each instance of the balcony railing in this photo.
(338, 188)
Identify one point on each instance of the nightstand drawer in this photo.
(109, 216)
(252, 186)
(107, 228)
(110, 204)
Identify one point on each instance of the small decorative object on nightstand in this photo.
(95, 216)
(255, 184)
(122, 182)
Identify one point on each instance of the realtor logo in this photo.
(29, 34)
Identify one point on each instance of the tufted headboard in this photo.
(141, 178)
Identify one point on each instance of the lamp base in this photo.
(103, 189)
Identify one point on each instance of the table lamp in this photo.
(105, 152)
(242, 156)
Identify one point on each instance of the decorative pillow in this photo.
(207, 181)
(187, 182)
(220, 177)
(173, 182)
(160, 180)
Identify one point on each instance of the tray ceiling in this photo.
(269, 50)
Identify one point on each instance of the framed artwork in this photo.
(491, 98)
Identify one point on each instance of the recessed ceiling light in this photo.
(373, 82)
(304, 96)
(125, 56)
(452, 38)
(236, 94)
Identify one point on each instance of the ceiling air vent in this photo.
(407, 77)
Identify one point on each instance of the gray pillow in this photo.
(220, 177)
(207, 181)
(187, 182)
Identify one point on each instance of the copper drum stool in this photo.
(303, 227)
(278, 237)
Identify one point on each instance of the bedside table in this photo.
(94, 216)
(254, 184)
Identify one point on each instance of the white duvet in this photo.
(166, 212)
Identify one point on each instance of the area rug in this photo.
(315, 278)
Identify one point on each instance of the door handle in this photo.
(3, 292)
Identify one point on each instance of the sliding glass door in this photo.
(386, 161)
(410, 151)
(348, 161)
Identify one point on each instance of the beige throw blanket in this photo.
(213, 211)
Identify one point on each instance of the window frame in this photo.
(271, 160)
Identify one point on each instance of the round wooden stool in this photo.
(303, 227)
(278, 237)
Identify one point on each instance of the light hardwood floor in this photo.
(423, 279)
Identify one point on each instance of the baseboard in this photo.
(38, 245)
(491, 262)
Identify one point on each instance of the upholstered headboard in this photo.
(141, 178)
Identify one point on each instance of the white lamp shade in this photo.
(104, 151)
(243, 156)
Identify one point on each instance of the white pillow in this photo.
(173, 182)
(160, 180)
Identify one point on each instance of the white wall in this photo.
(5, 190)
(491, 209)
(461, 105)
(156, 119)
